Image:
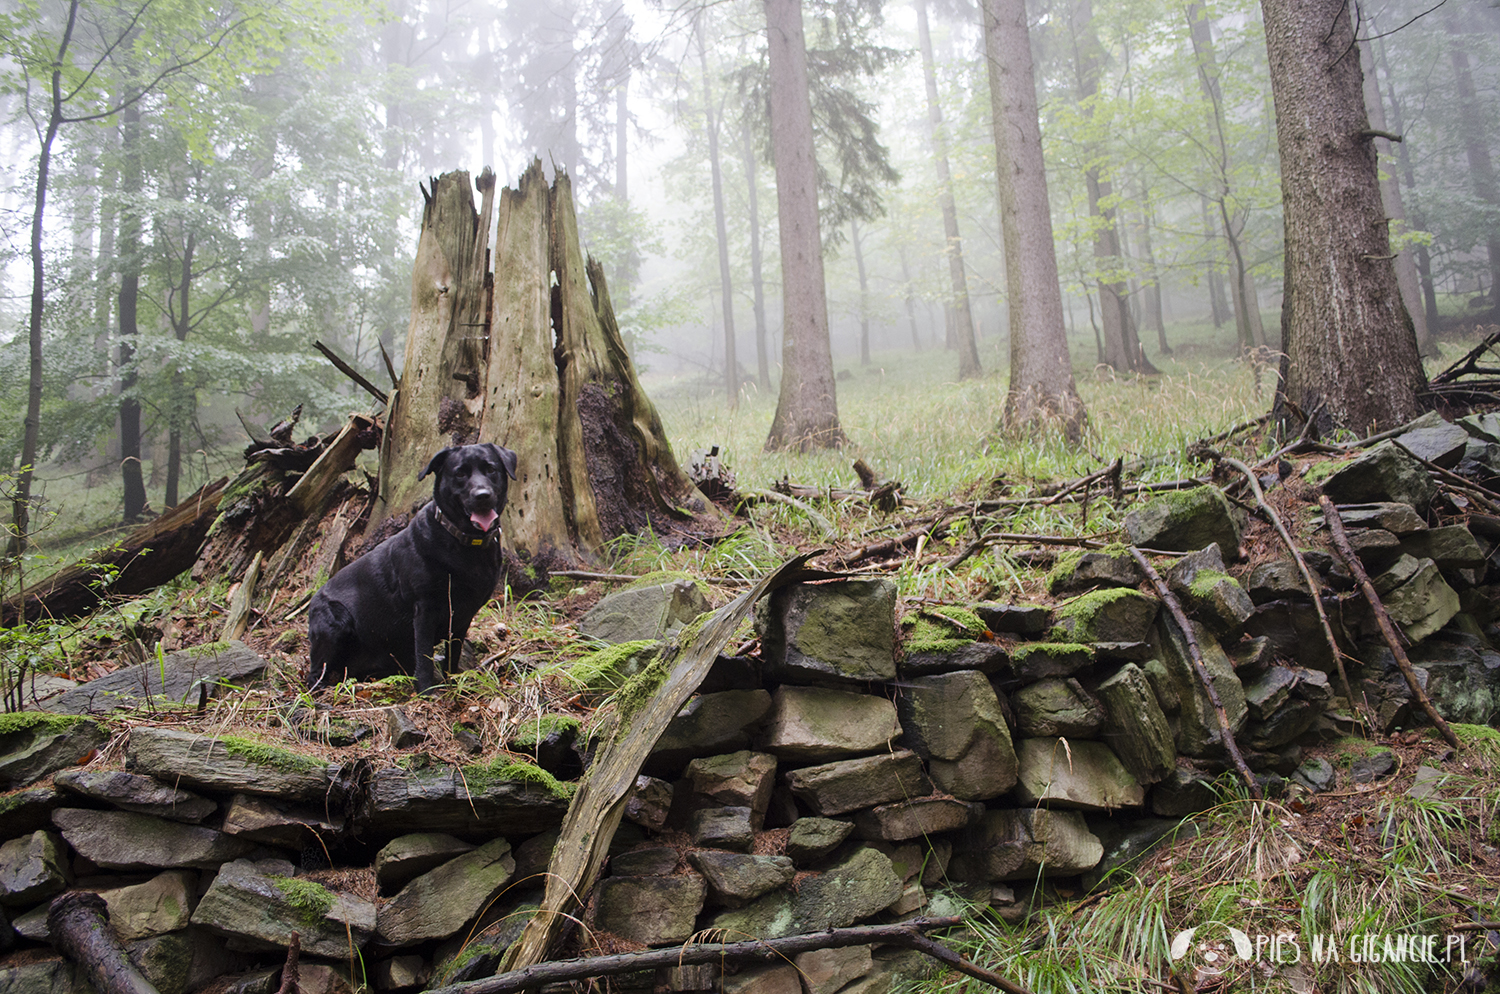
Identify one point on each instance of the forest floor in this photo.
(1351, 870)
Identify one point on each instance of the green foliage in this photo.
(261, 754)
(310, 900)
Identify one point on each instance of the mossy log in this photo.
(147, 557)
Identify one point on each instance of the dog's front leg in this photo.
(427, 625)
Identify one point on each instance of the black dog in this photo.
(389, 610)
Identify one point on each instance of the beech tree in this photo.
(1349, 351)
(1042, 390)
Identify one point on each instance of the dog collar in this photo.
(467, 538)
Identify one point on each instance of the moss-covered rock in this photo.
(34, 744)
(1117, 614)
(1078, 570)
(1184, 521)
(831, 633)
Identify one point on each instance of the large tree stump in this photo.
(547, 375)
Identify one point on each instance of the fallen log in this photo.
(78, 922)
(146, 558)
(906, 934)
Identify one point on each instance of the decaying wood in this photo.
(1307, 575)
(146, 558)
(906, 934)
(352, 373)
(237, 619)
(290, 973)
(441, 388)
(276, 504)
(1382, 618)
(597, 807)
(935, 529)
(1204, 677)
(1019, 538)
(560, 388)
(78, 922)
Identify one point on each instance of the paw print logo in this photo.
(1215, 952)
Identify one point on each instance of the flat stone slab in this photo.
(469, 802)
(404, 859)
(736, 879)
(815, 724)
(34, 744)
(919, 817)
(1011, 844)
(1056, 707)
(232, 765)
(858, 886)
(654, 911)
(279, 823)
(1083, 774)
(850, 784)
(1383, 473)
(134, 792)
(1015, 619)
(1184, 521)
(440, 902)
(707, 725)
(813, 838)
(644, 613)
(262, 910)
(122, 840)
(178, 678)
(1039, 660)
(1432, 438)
(159, 906)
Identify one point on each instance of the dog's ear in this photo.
(435, 465)
(507, 459)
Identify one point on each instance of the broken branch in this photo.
(351, 372)
(1307, 575)
(824, 525)
(1196, 655)
(1382, 618)
(78, 922)
(908, 934)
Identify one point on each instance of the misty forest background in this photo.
(229, 182)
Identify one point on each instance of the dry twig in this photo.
(1196, 655)
(1382, 618)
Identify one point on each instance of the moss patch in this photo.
(533, 732)
(310, 900)
(660, 577)
(638, 692)
(207, 649)
(28, 721)
(480, 777)
(610, 668)
(925, 635)
(1204, 583)
(1064, 567)
(264, 755)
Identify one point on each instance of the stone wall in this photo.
(867, 764)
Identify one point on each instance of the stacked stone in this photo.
(858, 769)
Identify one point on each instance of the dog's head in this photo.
(470, 483)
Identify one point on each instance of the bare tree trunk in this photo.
(1349, 352)
(1395, 209)
(181, 401)
(32, 426)
(721, 229)
(1122, 344)
(963, 320)
(911, 309)
(1481, 168)
(1152, 289)
(762, 361)
(130, 288)
(1041, 378)
(807, 408)
(1214, 278)
(1409, 180)
(864, 293)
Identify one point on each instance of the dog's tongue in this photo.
(483, 520)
